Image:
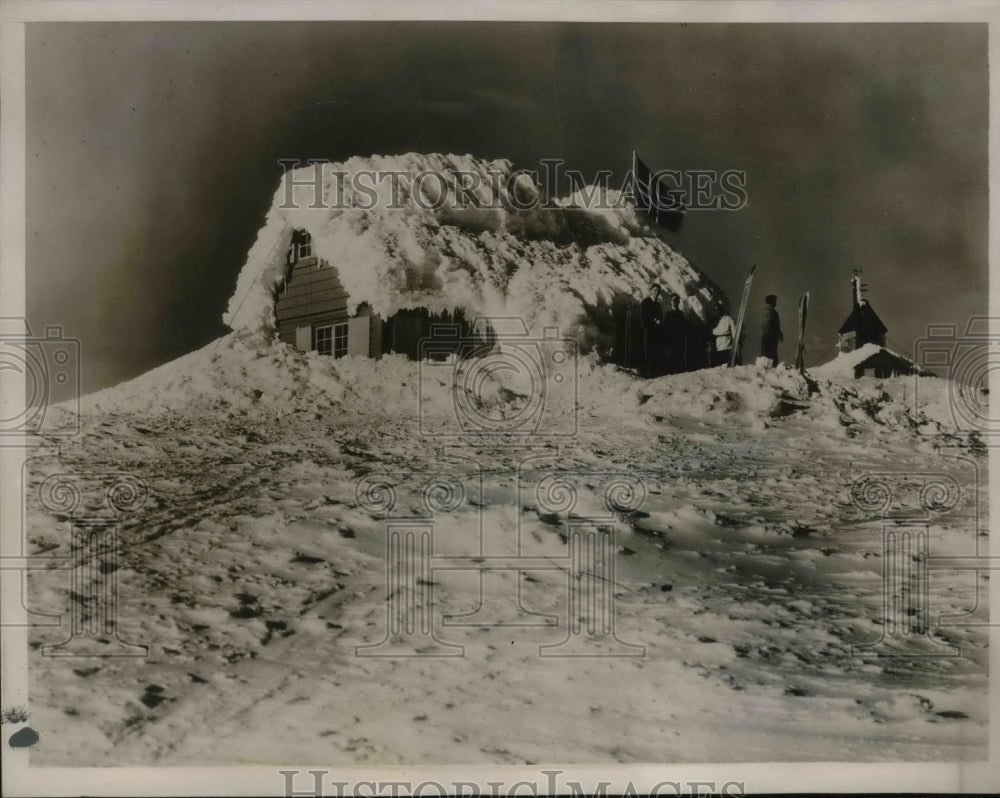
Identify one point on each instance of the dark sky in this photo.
(153, 153)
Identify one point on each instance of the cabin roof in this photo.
(867, 356)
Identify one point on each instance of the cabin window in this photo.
(340, 339)
(331, 339)
(323, 342)
(300, 247)
(323, 339)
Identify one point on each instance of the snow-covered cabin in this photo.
(870, 360)
(351, 273)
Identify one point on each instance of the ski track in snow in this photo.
(252, 574)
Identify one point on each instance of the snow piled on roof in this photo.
(843, 365)
(551, 265)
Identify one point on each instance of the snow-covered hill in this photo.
(747, 573)
(253, 376)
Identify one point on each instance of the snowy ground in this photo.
(748, 573)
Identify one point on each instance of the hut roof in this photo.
(869, 355)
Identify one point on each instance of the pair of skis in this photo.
(737, 344)
(800, 351)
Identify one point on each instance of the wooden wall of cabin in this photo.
(312, 296)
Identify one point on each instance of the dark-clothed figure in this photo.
(675, 331)
(771, 332)
(651, 320)
(725, 329)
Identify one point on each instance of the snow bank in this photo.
(256, 376)
(555, 264)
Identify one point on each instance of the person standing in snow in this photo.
(674, 326)
(651, 320)
(771, 333)
(724, 331)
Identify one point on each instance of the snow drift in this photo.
(554, 264)
(255, 377)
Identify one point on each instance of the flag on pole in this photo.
(662, 204)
